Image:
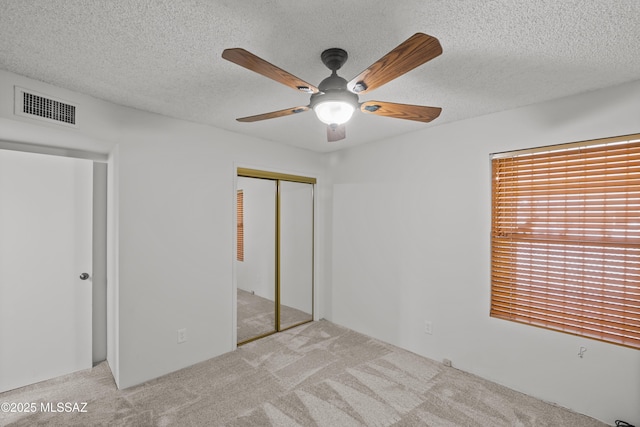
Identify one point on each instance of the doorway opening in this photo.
(274, 252)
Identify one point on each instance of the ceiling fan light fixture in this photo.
(335, 99)
(334, 112)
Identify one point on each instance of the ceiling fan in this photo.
(334, 100)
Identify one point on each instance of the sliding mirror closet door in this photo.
(255, 258)
(296, 253)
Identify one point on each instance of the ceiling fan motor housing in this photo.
(333, 88)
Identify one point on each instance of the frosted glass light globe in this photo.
(334, 112)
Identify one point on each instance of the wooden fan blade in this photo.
(254, 63)
(411, 53)
(336, 133)
(274, 114)
(418, 113)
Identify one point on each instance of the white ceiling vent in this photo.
(42, 107)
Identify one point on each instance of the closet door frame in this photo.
(278, 177)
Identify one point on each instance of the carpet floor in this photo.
(256, 316)
(317, 374)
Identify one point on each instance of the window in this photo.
(240, 225)
(565, 239)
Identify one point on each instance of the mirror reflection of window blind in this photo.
(566, 240)
(240, 222)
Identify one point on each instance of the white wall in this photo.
(411, 239)
(176, 199)
(171, 217)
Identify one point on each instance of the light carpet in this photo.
(256, 316)
(317, 374)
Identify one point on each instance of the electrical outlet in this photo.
(182, 335)
(428, 327)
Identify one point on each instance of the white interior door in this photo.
(45, 245)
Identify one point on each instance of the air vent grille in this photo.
(38, 106)
(48, 108)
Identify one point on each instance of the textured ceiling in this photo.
(164, 56)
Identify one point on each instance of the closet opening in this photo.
(274, 252)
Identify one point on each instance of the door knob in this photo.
(84, 276)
